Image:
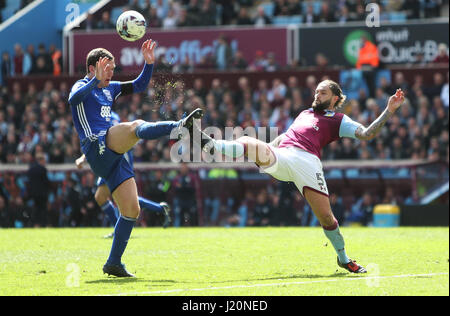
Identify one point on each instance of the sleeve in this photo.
(81, 90)
(141, 82)
(348, 127)
(137, 85)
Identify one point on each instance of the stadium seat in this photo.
(316, 6)
(383, 73)
(268, 8)
(115, 12)
(7, 13)
(280, 20)
(397, 17)
(13, 4)
(351, 82)
(287, 20)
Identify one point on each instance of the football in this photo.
(131, 26)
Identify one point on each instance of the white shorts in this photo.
(301, 167)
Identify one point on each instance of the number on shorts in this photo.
(320, 179)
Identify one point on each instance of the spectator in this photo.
(261, 212)
(259, 63)
(338, 208)
(223, 53)
(294, 7)
(362, 211)
(6, 68)
(184, 203)
(442, 56)
(39, 189)
(368, 61)
(261, 19)
(90, 23)
(280, 8)
(272, 64)
(44, 62)
(326, 13)
(56, 56)
(170, 21)
(207, 14)
(151, 16)
(321, 61)
(243, 17)
(309, 17)
(238, 61)
(18, 60)
(105, 23)
(162, 8)
(5, 215)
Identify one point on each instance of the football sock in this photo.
(336, 239)
(110, 211)
(231, 149)
(122, 233)
(154, 130)
(150, 205)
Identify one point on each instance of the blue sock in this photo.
(334, 235)
(122, 233)
(111, 211)
(150, 205)
(155, 130)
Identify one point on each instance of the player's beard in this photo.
(321, 106)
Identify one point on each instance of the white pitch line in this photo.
(277, 284)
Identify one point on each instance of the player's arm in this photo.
(394, 102)
(141, 82)
(81, 90)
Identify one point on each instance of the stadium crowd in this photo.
(187, 13)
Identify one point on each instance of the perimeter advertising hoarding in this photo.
(175, 45)
(397, 44)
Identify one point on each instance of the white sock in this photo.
(229, 148)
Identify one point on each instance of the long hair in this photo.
(337, 91)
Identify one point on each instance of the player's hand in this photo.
(396, 101)
(101, 68)
(148, 50)
(80, 161)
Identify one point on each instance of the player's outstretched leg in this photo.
(122, 137)
(162, 208)
(255, 149)
(320, 205)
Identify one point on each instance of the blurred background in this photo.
(247, 64)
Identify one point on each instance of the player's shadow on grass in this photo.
(110, 280)
(290, 277)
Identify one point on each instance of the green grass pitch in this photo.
(269, 261)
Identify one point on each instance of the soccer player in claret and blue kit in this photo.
(104, 144)
(295, 155)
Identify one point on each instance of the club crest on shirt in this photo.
(108, 95)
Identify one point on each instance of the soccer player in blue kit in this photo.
(104, 145)
(102, 194)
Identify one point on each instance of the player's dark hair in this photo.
(95, 55)
(337, 91)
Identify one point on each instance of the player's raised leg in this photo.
(320, 204)
(122, 137)
(255, 149)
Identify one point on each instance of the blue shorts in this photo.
(107, 164)
(128, 156)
